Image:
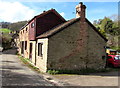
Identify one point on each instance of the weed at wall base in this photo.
(28, 63)
(78, 72)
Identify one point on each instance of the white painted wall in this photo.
(41, 62)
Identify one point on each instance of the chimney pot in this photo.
(44, 11)
(81, 3)
(80, 10)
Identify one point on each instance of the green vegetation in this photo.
(6, 41)
(5, 30)
(80, 72)
(16, 26)
(28, 63)
(53, 72)
(13, 26)
(6, 38)
(108, 27)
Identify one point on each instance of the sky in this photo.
(14, 11)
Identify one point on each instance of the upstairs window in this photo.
(25, 45)
(32, 25)
(26, 29)
(40, 49)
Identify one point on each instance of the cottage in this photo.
(51, 42)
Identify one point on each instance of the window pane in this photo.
(32, 25)
(39, 49)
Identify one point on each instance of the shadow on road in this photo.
(10, 80)
(11, 68)
(12, 51)
(14, 79)
(8, 62)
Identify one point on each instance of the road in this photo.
(15, 74)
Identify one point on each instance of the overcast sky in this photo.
(13, 10)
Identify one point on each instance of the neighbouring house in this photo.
(51, 42)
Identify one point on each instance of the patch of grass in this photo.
(78, 72)
(28, 63)
(53, 72)
(5, 30)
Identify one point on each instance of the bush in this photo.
(6, 40)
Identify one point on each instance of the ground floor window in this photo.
(40, 49)
(22, 47)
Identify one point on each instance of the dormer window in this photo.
(32, 25)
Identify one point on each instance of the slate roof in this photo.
(63, 26)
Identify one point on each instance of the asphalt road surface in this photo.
(14, 74)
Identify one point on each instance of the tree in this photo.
(106, 24)
(109, 28)
(6, 40)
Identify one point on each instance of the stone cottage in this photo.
(51, 42)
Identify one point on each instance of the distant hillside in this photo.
(16, 26)
(12, 26)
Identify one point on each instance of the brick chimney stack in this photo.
(83, 36)
(80, 11)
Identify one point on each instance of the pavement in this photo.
(88, 80)
(15, 74)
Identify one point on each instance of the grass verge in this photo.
(82, 71)
(28, 63)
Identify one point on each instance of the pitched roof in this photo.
(44, 13)
(63, 26)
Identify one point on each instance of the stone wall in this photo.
(66, 53)
(96, 50)
(23, 36)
